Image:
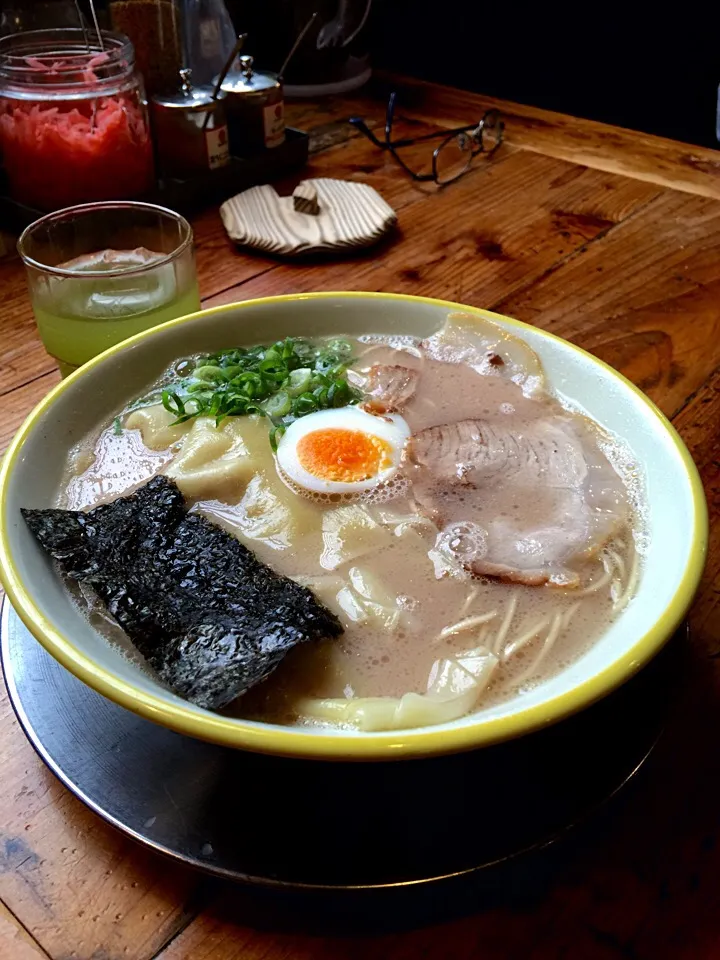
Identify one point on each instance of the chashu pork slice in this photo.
(389, 387)
(521, 502)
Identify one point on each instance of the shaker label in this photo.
(218, 150)
(274, 123)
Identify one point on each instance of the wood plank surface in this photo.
(15, 942)
(644, 298)
(642, 156)
(81, 888)
(501, 227)
(19, 402)
(605, 236)
(699, 425)
(22, 356)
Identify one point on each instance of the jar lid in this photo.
(189, 97)
(243, 78)
(65, 59)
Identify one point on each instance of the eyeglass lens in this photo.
(452, 158)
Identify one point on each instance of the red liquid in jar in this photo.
(59, 155)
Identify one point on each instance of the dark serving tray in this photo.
(287, 824)
(187, 196)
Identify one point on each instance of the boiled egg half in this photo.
(342, 451)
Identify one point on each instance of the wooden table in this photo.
(604, 236)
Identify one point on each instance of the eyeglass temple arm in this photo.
(360, 124)
(408, 141)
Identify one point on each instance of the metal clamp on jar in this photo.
(255, 108)
(191, 134)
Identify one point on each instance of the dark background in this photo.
(646, 66)
(638, 65)
(643, 66)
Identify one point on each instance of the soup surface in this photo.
(474, 540)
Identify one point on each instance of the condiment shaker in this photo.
(255, 108)
(191, 134)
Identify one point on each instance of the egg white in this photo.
(389, 427)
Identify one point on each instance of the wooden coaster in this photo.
(321, 214)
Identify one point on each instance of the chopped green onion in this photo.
(276, 434)
(304, 404)
(278, 405)
(209, 372)
(173, 403)
(299, 381)
(282, 381)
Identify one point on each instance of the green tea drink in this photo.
(80, 316)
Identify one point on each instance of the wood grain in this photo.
(19, 402)
(355, 158)
(316, 114)
(6, 244)
(679, 166)
(698, 422)
(503, 226)
(660, 324)
(15, 942)
(22, 355)
(220, 267)
(77, 884)
(605, 236)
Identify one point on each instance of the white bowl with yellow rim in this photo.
(32, 468)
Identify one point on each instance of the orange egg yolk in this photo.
(343, 455)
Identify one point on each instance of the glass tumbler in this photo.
(101, 272)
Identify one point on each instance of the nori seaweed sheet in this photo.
(209, 617)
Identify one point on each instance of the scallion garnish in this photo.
(282, 381)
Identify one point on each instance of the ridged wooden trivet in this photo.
(322, 214)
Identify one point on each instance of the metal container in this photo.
(191, 133)
(255, 108)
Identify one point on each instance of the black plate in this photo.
(337, 826)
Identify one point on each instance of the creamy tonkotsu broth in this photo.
(495, 554)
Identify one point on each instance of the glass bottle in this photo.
(155, 29)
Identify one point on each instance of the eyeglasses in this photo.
(452, 158)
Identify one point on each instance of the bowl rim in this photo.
(287, 741)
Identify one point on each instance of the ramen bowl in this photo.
(676, 523)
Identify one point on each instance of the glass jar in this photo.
(73, 118)
(155, 29)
